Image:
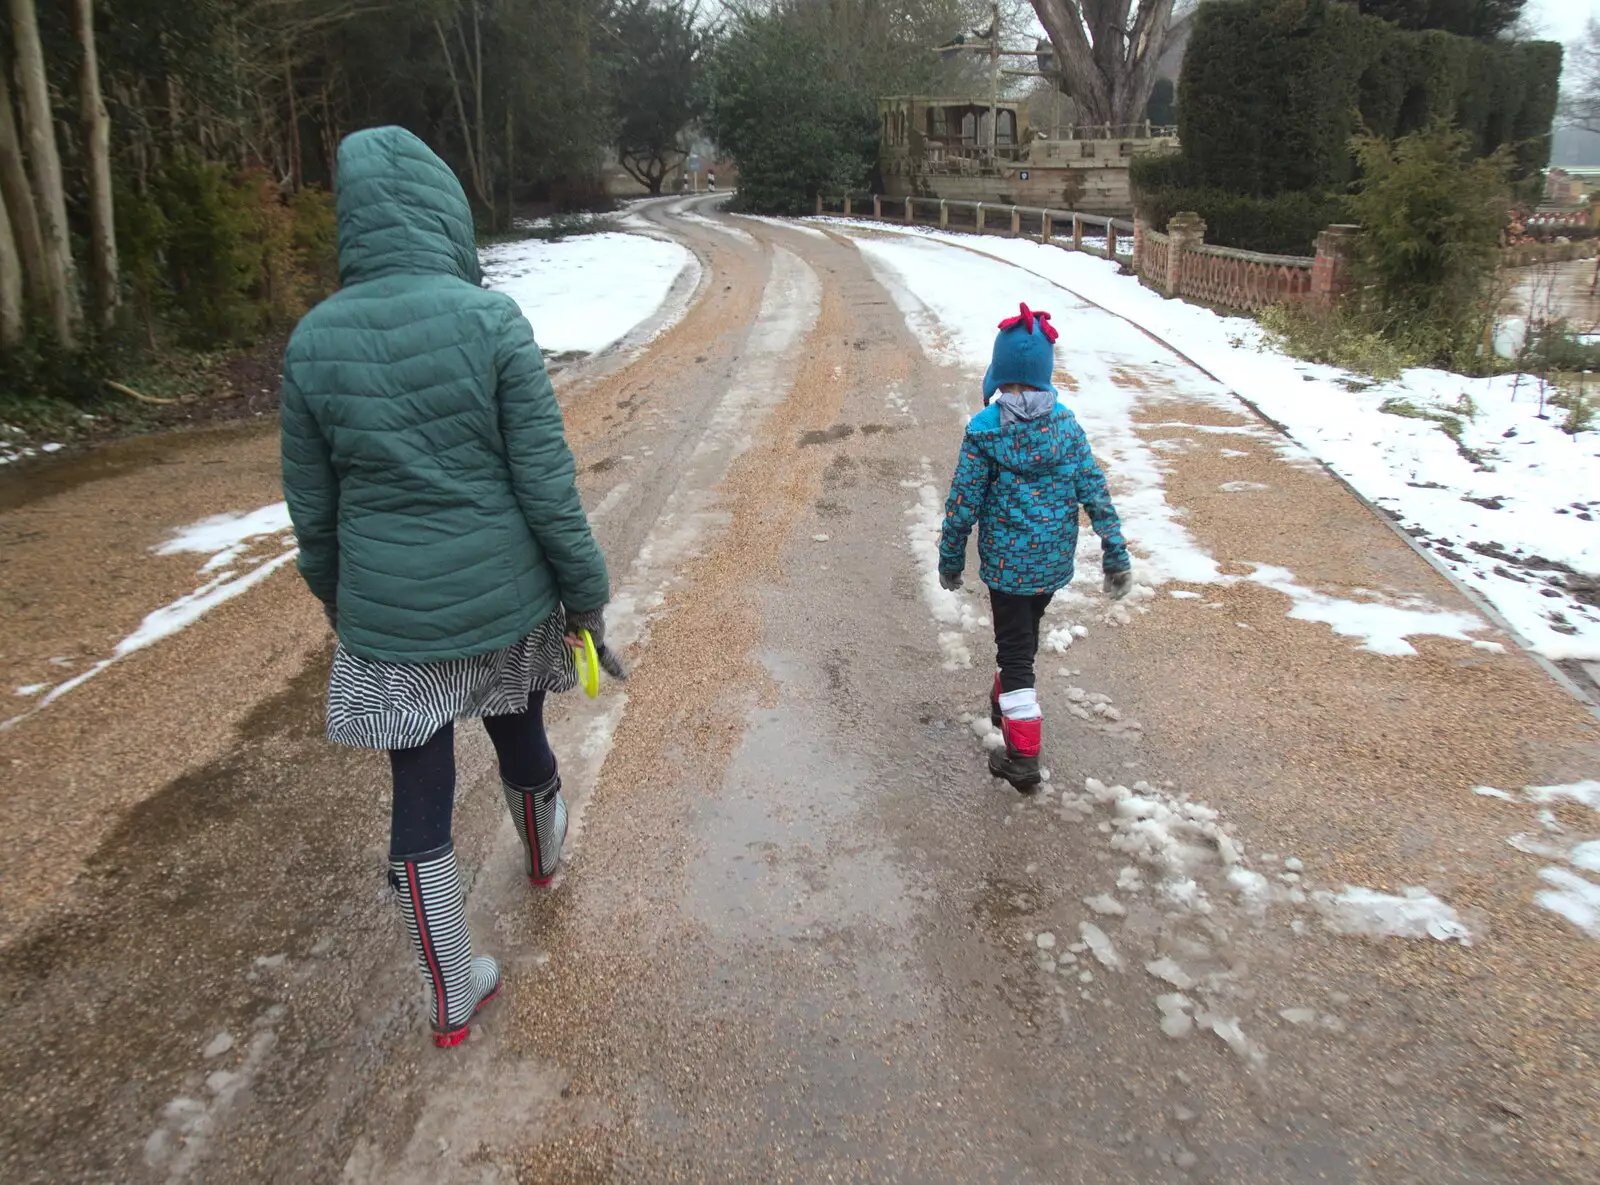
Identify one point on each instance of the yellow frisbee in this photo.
(588, 660)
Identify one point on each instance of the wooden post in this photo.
(1016, 222)
(1111, 241)
(877, 206)
(819, 203)
(908, 212)
(1044, 227)
(944, 213)
(847, 204)
(1077, 233)
(980, 217)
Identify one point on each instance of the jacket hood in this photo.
(401, 211)
(1030, 447)
(1029, 404)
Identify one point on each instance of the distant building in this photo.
(1570, 187)
(956, 148)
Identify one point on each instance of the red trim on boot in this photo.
(1023, 737)
(449, 1039)
(535, 878)
(426, 940)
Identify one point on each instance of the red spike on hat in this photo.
(1027, 317)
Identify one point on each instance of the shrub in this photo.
(792, 127)
(209, 266)
(1428, 257)
(220, 255)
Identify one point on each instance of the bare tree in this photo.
(39, 136)
(1109, 53)
(17, 195)
(97, 152)
(11, 318)
(1580, 106)
(472, 136)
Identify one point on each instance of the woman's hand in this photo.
(594, 622)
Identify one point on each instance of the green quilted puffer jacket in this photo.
(424, 462)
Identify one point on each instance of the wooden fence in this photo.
(1094, 234)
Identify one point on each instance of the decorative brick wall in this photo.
(1180, 264)
(1243, 280)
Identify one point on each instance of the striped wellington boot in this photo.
(540, 817)
(435, 908)
(1021, 724)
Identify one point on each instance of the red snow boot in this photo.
(1021, 725)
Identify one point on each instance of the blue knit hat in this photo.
(1024, 352)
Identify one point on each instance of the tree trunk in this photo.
(39, 136)
(474, 174)
(1107, 68)
(11, 318)
(97, 153)
(484, 185)
(17, 194)
(296, 158)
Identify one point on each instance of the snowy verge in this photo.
(1511, 505)
(585, 293)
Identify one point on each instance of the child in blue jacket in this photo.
(1024, 471)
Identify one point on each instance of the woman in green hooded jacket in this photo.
(433, 496)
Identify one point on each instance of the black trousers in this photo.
(1016, 636)
(425, 777)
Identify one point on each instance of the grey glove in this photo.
(594, 620)
(1119, 584)
(950, 581)
(330, 610)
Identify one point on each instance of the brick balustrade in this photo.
(1177, 263)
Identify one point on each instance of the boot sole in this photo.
(1020, 784)
(455, 1037)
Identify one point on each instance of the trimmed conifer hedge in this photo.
(1272, 91)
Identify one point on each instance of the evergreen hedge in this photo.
(1284, 224)
(1272, 91)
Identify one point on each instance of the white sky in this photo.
(1562, 20)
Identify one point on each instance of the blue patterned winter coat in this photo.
(1021, 483)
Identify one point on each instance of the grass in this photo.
(553, 229)
(1334, 339)
(1452, 424)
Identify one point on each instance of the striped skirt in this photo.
(373, 704)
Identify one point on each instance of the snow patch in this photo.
(1573, 897)
(1585, 793)
(952, 611)
(225, 537)
(588, 292)
(1382, 627)
(1100, 946)
(1416, 913)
